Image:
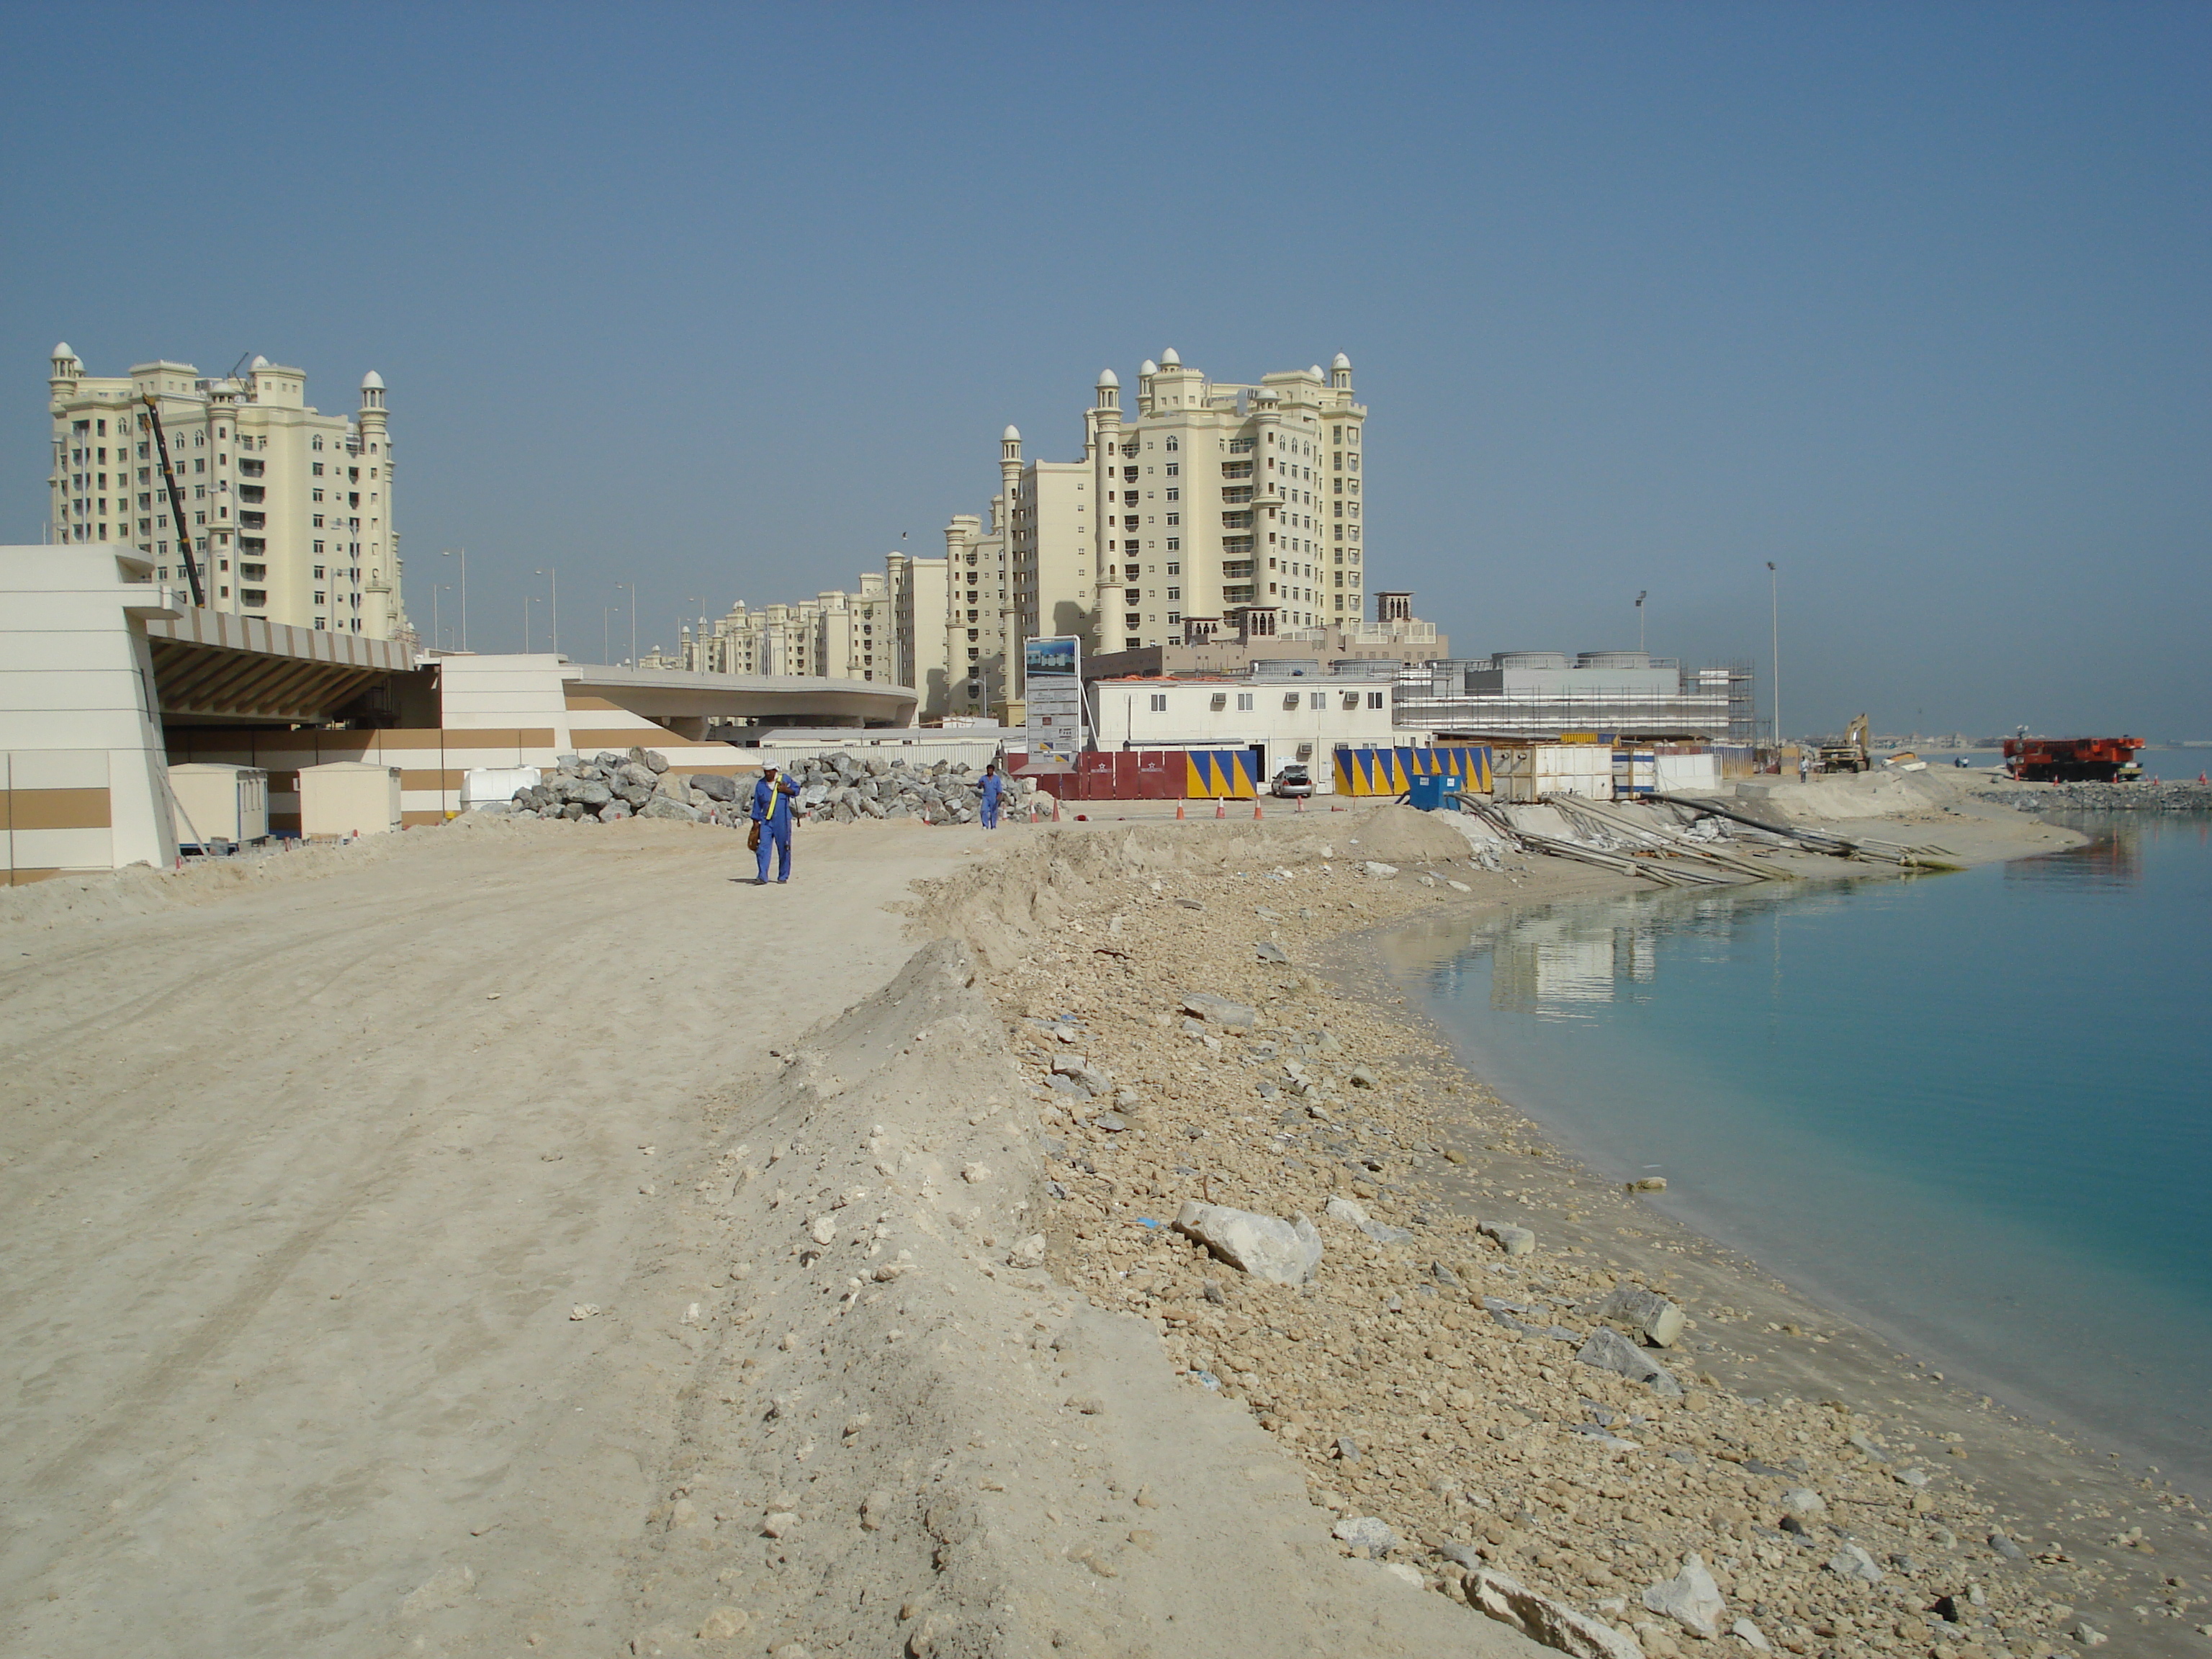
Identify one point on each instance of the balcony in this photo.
(1236, 521)
(1236, 496)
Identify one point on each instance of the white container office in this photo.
(495, 786)
(340, 799)
(211, 802)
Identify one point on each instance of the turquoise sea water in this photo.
(1973, 1111)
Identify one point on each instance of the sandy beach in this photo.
(525, 1237)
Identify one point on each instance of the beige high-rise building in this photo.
(290, 509)
(833, 636)
(1206, 506)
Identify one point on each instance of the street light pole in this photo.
(462, 554)
(549, 571)
(632, 586)
(1774, 625)
(1640, 598)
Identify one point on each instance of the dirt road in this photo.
(299, 1189)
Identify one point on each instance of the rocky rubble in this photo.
(1467, 1371)
(2185, 797)
(608, 787)
(837, 787)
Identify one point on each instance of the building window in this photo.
(1159, 702)
(1320, 700)
(1374, 699)
(1244, 703)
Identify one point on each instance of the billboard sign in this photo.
(1052, 678)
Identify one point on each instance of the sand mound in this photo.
(910, 1442)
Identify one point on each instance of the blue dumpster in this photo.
(1433, 791)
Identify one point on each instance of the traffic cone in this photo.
(1220, 808)
(1056, 809)
(1255, 806)
(1179, 812)
(1301, 804)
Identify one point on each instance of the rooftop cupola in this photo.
(1010, 446)
(1340, 373)
(1110, 389)
(371, 390)
(1170, 359)
(65, 365)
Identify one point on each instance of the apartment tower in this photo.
(290, 509)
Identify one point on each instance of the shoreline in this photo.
(2013, 1478)
(1399, 954)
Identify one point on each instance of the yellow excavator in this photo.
(1851, 753)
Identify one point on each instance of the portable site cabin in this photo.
(213, 803)
(1530, 771)
(340, 799)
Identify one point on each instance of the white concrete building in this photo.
(291, 509)
(834, 635)
(1282, 718)
(1206, 505)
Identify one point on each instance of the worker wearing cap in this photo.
(771, 810)
(994, 786)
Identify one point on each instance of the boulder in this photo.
(588, 794)
(614, 810)
(1267, 950)
(635, 772)
(1219, 1011)
(1539, 1618)
(1650, 1315)
(661, 807)
(1264, 1246)
(1690, 1598)
(1377, 867)
(652, 758)
(715, 786)
(1515, 1241)
(1607, 1350)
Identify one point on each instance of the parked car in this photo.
(1292, 781)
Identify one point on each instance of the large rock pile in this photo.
(838, 787)
(639, 784)
(843, 786)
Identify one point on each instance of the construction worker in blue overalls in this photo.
(771, 810)
(994, 786)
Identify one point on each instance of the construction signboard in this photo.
(1052, 677)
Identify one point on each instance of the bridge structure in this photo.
(106, 677)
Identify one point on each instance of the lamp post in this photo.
(462, 554)
(632, 586)
(554, 575)
(1774, 626)
(1642, 595)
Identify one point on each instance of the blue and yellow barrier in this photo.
(1385, 771)
(1221, 775)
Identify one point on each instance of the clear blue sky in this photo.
(1912, 299)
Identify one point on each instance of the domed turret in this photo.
(1315, 371)
(259, 363)
(372, 382)
(1108, 377)
(1148, 368)
(1170, 359)
(65, 365)
(1109, 390)
(1011, 435)
(1339, 373)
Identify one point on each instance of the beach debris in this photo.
(1219, 1011)
(1647, 1313)
(1353, 1213)
(1646, 1184)
(1850, 1561)
(1609, 1351)
(1691, 1598)
(1266, 1247)
(1539, 1618)
(2005, 1548)
(1365, 1532)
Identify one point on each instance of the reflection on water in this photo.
(1561, 961)
(1969, 1108)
